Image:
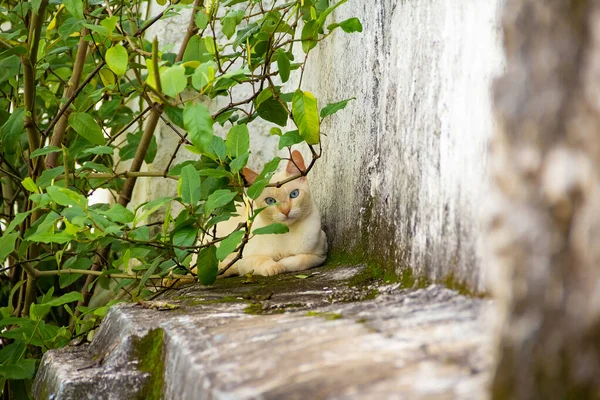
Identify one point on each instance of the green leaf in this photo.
(7, 245)
(349, 26)
(208, 265)
(69, 26)
(99, 29)
(283, 63)
(215, 173)
(60, 238)
(118, 213)
(310, 35)
(38, 311)
(175, 115)
(275, 228)
(45, 150)
(17, 220)
(148, 273)
(217, 199)
(12, 129)
(35, 6)
(289, 139)
(196, 51)
(275, 131)
(271, 109)
(66, 197)
(257, 188)
(228, 246)
(238, 140)
(73, 263)
(199, 124)
(201, 19)
(263, 179)
(173, 80)
(24, 369)
(11, 352)
(30, 185)
(245, 33)
(9, 67)
(188, 186)
(306, 116)
(332, 108)
(128, 151)
(74, 7)
(210, 44)
(150, 208)
(109, 23)
(66, 298)
(239, 162)
(230, 21)
(204, 75)
(48, 175)
(219, 148)
(85, 125)
(99, 150)
(117, 59)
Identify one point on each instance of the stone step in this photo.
(333, 335)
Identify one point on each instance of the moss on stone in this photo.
(451, 282)
(326, 315)
(148, 350)
(254, 309)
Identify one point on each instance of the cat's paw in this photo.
(269, 269)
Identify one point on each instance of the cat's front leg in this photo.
(300, 262)
(260, 265)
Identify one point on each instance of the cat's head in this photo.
(289, 203)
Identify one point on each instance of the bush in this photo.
(84, 90)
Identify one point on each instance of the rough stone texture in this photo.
(544, 229)
(407, 159)
(405, 344)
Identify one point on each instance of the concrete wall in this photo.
(404, 172)
(403, 177)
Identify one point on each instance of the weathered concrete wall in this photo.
(404, 171)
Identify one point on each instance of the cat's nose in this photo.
(285, 210)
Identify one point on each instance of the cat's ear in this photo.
(296, 164)
(249, 175)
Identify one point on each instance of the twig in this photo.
(61, 126)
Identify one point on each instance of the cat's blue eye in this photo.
(294, 193)
(270, 201)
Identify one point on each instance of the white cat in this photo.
(303, 247)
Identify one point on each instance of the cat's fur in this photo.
(303, 247)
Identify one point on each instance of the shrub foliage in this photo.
(83, 91)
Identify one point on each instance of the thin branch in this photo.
(61, 126)
(96, 273)
(125, 174)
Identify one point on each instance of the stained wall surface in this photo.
(404, 173)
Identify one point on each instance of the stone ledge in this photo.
(312, 340)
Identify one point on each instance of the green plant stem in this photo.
(61, 126)
(98, 273)
(126, 174)
(155, 65)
